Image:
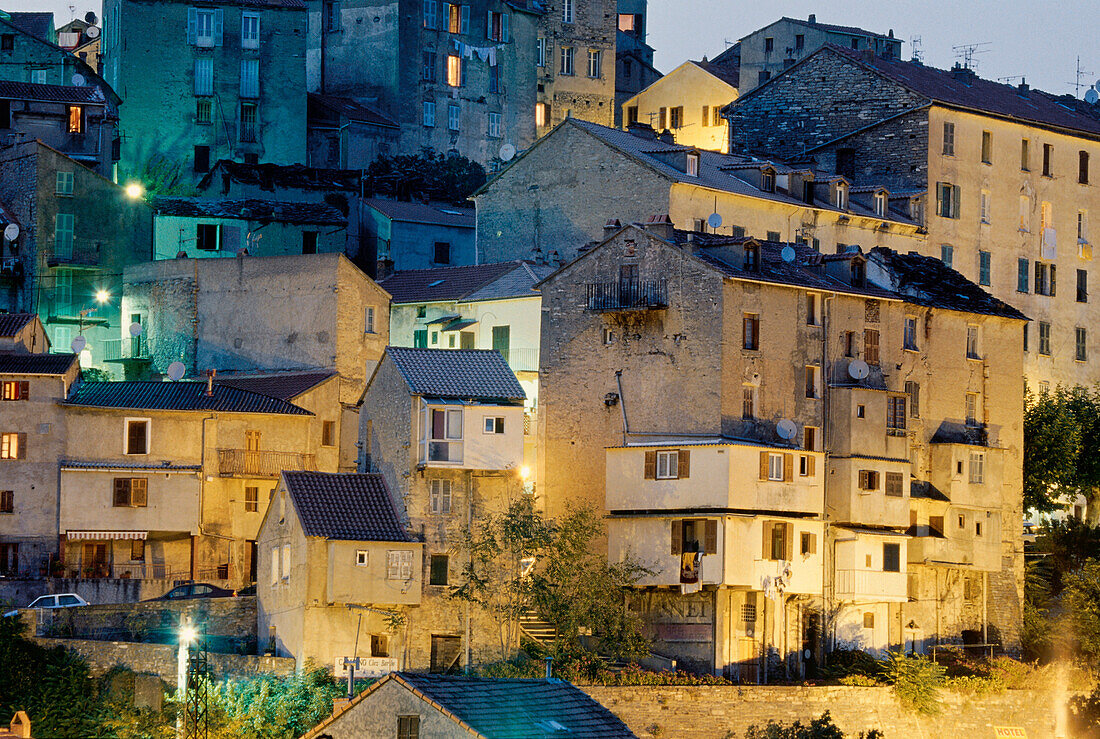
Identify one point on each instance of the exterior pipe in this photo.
(622, 405)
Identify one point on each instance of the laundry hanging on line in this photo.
(484, 53)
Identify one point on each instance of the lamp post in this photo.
(187, 635)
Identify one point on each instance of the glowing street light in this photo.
(524, 472)
(102, 296)
(135, 191)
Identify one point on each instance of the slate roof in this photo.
(444, 283)
(281, 385)
(19, 363)
(178, 396)
(850, 30)
(252, 210)
(289, 176)
(730, 74)
(270, 4)
(350, 109)
(519, 283)
(497, 708)
(13, 323)
(50, 93)
(36, 24)
(414, 212)
(464, 374)
(344, 505)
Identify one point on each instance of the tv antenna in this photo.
(1011, 78)
(966, 53)
(1077, 83)
(918, 52)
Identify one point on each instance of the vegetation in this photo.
(1061, 441)
(917, 680)
(163, 178)
(820, 728)
(449, 177)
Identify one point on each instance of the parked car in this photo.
(1031, 532)
(195, 590)
(59, 600)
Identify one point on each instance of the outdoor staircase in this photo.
(535, 629)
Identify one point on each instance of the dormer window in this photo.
(752, 258)
(882, 203)
(692, 168)
(840, 197)
(808, 191)
(767, 180)
(857, 273)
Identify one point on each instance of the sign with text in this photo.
(1009, 732)
(368, 667)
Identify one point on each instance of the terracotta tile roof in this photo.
(464, 374)
(443, 283)
(350, 109)
(50, 93)
(252, 210)
(439, 214)
(19, 363)
(13, 323)
(346, 506)
(282, 385)
(178, 396)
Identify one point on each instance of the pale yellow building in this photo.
(687, 102)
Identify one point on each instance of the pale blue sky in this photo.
(1040, 40)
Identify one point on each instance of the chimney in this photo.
(868, 55)
(1023, 88)
(660, 226)
(962, 74)
(666, 137)
(611, 227)
(813, 18)
(383, 269)
(641, 130)
(210, 382)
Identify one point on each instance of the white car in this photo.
(60, 600)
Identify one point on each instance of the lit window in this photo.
(542, 114)
(76, 119)
(15, 390)
(12, 446)
(454, 70)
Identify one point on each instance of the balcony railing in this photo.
(871, 585)
(135, 347)
(249, 463)
(626, 295)
(522, 360)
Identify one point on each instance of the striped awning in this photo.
(103, 535)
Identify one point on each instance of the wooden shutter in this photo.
(504, 33)
(955, 199)
(677, 536)
(683, 457)
(21, 446)
(24, 390)
(139, 492)
(710, 537)
(763, 465)
(788, 467)
(219, 25)
(863, 479)
(489, 25)
(1053, 281)
(766, 529)
(464, 22)
(122, 491)
(788, 541)
(651, 465)
(192, 25)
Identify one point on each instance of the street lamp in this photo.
(135, 191)
(102, 296)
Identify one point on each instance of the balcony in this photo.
(135, 347)
(249, 463)
(522, 360)
(871, 586)
(626, 295)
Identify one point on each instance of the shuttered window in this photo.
(13, 445)
(693, 535)
(870, 346)
(131, 492)
(777, 466)
(250, 78)
(667, 464)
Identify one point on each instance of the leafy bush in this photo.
(860, 681)
(916, 680)
(845, 662)
(1084, 715)
(975, 684)
(820, 728)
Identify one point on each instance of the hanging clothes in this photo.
(690, 563)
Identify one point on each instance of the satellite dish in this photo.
(785, 428)
(507, 152)
(858, 369)
(176, 370)
(11, 232)
(92, 32)
(78, 344)
(135, 329)
(787, 254)
(90, 18)
(78, 80)
(1091, 96)
(714, 220)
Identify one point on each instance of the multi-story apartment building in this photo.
(452, 76)
(634, 70)
(760, 422)
(445, 430)
(687, 102)
(30, 54)
(32, 439)
(1007, 176)
(576, 60)
(538, 209)
(207, 81)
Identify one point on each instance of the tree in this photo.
(1082, 606)
(1062, 448)
(161, 177)
(450, 177)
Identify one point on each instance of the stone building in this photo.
(32, 439)
(634, 70)
(687, 102)
(221, 80)
(453, 76)
(344, 134)
(1006, 178)
(576, 61)
(410, 235)
(538, 209)
(676, 365)
(77, 232)
(30, 54)
(445, 430)
(337, 572)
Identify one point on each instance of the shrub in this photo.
(858, 680)
(844, 662)
(975, 684)
(820, 728)
(916, 680)
(1084, 715)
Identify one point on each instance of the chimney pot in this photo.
(611, 227)
(813, 18)
(660, 225)
(666, 136)
(210, 382)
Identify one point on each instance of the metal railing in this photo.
(135, 347)
(522, 360)
(249, 463)
(871, 582)
(626, 295)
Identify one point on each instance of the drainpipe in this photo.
(828, 574)
(622, 404)
(469, 523)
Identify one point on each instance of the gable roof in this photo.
(344, 505)
(21, 363)
(290, 176)
(51, 93)
(728, 73)
(178, 396)
(12, 323)
(849, 30)
(252, 210)
(463, 374)
(439, 214)
(282, 385)
(269, 4)
(497, 708)
(38, 25)
(350, 109)
(444, 283)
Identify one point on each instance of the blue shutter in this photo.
(218, 26)
(504, 27)
(465, 26)
(489, 25)
(1022, 277)
(192, 25)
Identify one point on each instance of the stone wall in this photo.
(18, 592)
(161, 659)
(706, 712)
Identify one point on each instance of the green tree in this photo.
(270, 707)
(1052, 442)
(161, 177)
(1081, 599)
(821, 727)
(917, 680)
(450, 177)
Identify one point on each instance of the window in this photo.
(7, 501)
(1082, 227)
(1083, 167)
(438, 570)
(7, 42)
(76, 119)
(849, 343)
(769, 44)
(984, 259)
(1025, 155)
(895, 415)
(1082, 352)
(204, 111)
(202, 159)
(595, 71)
(676, 117)
(971, 409)
(751, 324)
(775, 467)
(309, 242)
(494, 122)
(1048, 160)
(910, 333)
(428, 66)
(806, 465)
(977, 467)
(799, 42)
(458, 18)
(1082, 286)
(752, 258)
(567, 54)
(540, 52)
(441, 253)
(204, 76)
(1023, 278)
(948, 139)
(627, 22)
(1045, 279)
(206, 237)
(328, 433)
(286, 562)
(399, 564)
(131, 492)
(439, 499)
(870, 346)
(204, 27)
(431, 14)
(668, 465)
(63, 235)
(429, 114)
(868, 480)
(813, 303)
(869, 620)
(497, 26)
(841, 199)
(332, 15)
(692, 165)
(454, 72)
(1044, 338)
(985, 206)
(778, 537)
(662, 117)
(137, 550)
(137, 436)
(947, 200)
(748, 402)
(362, 558)
(972, 340)
(248, 123)
(274, 566)
(813, 381)
(912, 389)
(15, 390)
(368, 319)
(767, 181)
(494, 425)
(63, 184)
(250, 30)
(542, 114)
(251, 499)
(453, 115)
(881, 204)
(13, 445)
(716, 111)
(891, 557)
(861, 411)
(977, 528)
(895, 484)
(987, 147)
(706, 116)
(809, 438)
(566, 11)
(1025, 336)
